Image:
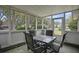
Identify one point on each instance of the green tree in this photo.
(73, 25)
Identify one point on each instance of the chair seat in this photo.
(57, 44)
(55, 47)
(38, 49)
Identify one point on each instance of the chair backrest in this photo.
(29, 40)
(38, 32)
(42, 32)
(63, 38)
(32, 32)
(49, 32)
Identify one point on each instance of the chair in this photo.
(32, 32)
(32, 45)
(0, 47)
(49, 32)
(42, 32)
(56, 47)
(38, 32)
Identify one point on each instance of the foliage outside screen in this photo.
(20, 27)
(73, 25)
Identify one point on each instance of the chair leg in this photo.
(46, 46)
(28, 48)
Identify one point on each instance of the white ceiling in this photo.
(44, 10)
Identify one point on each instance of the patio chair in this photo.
(32, 45)
(55, 47)
(49, 32)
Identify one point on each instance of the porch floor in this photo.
(64, 49)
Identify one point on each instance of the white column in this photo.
(36, 23)
(26, 18)
(28, 21)
(42, 23)
(9, 37)
(12, 20)
(52, 23)
(78, 25)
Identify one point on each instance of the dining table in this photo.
(44, 38)
(48, 40)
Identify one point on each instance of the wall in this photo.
(72, 37)
(4, 39)
(16, 37)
